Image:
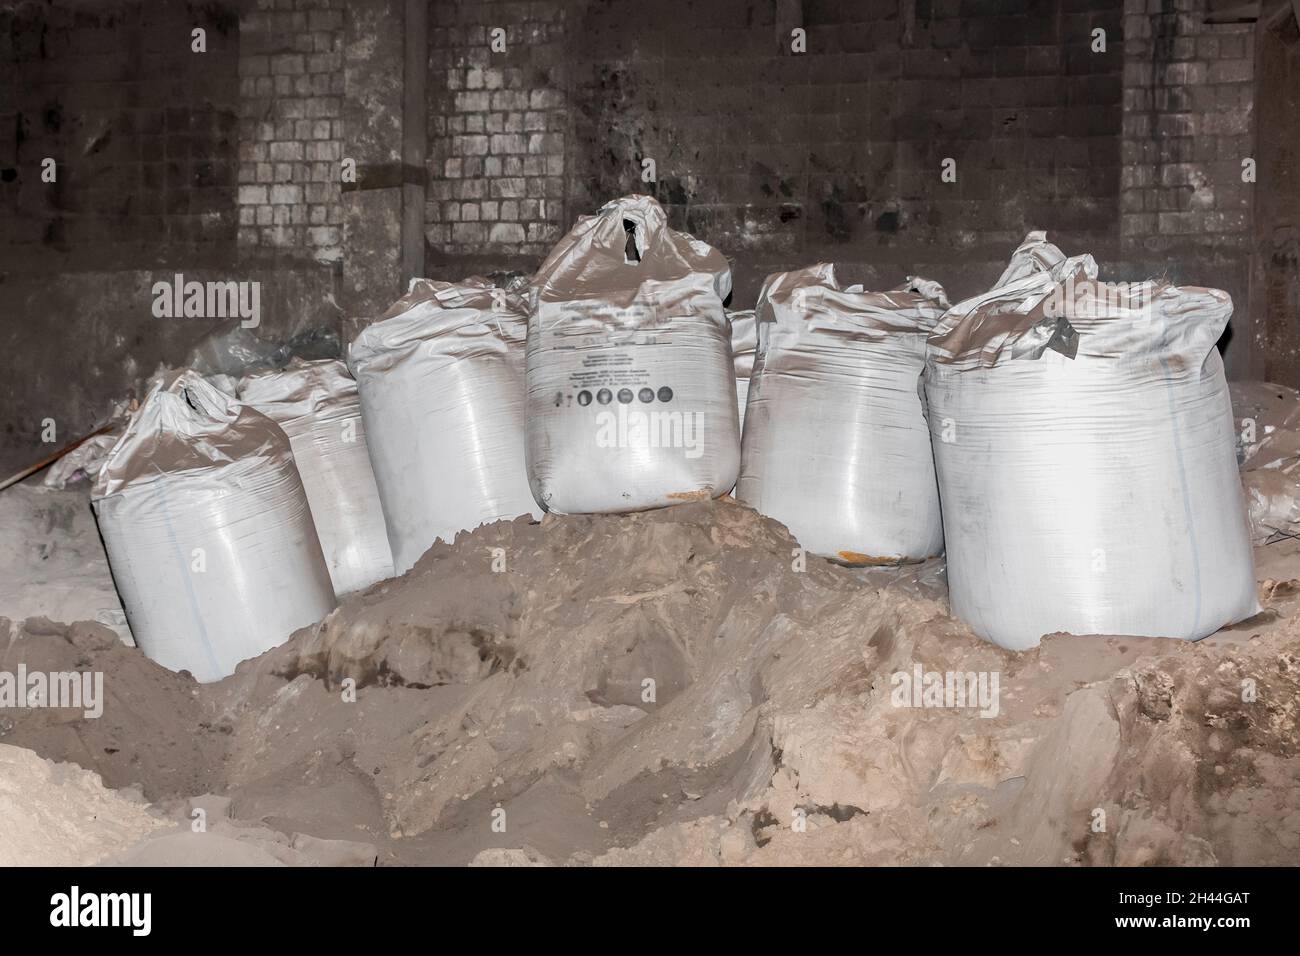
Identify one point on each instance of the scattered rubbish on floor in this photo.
(52, 563)
(1267, 419)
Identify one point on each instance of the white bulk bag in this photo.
(744, 340)
(317, 405)
(836, 444)
(1084, 443)
(208, 531)
(631, 391)
(441, 378)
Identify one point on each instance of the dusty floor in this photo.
(465, 713)
(52, 562)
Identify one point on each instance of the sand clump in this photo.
(682, 686)
(60, 815)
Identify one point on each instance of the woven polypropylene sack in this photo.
(744, 341)
(441, 378)
(836, 444)
(1085, 451)
(631, 389)
(208, 532)
(317, 405)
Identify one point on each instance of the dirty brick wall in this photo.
(155, 146)
(1129, 148)
(141, 131)
(1189, 93)
(783, 158)
(291, 128)
(497, 134)
(225, 165)
(142, 134)
(1276, 262)
(837, 153)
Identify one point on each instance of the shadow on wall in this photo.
(73, 344)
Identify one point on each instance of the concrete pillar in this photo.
(415, 142)
(373, 110)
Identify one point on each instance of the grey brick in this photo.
(506, 233)
(289, 64)
(286, 151)
(252, 195)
